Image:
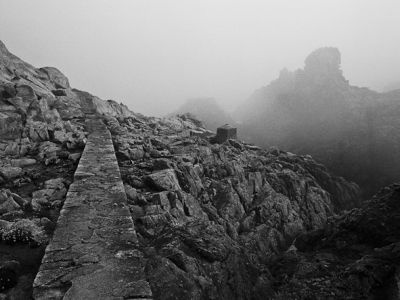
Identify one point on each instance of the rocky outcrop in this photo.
(354, 256)
(323, 61)
(42, 132)
(209, 214)
(315, 111)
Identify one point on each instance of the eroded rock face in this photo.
(355, 255)
(59, 80)
(164, 180)
(208, 212)
(38, 105)
(41, 134)
(10, 202)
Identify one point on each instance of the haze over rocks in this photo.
(206, 110)
(213, 221)
(352, 130)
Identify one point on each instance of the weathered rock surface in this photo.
(354, 256)
(164, 180)
(39, 130)
(210, 217)
(53, 193)
(10, 202)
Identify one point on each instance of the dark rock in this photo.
(162, 164)
(7, 202)
(162, 272)
(9, 173)
(56, 77)
(74, 157)
(54, 190)
(23, 162)
(164, 180)
(9, 275)
(131, 193)
(236, 144)
(59, 92)
(362, 245)
(135, 182)
(11, 202)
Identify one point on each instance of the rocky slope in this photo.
(42, 134)
(211, 218)
(353, 131)
(354, 256)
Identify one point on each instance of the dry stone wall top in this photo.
(93, 253)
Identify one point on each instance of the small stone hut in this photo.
(225, 133)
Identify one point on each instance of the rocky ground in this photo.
(42, 135)
(215, 221)
(41, 142)
(213, 217)
(354, 256)
(28, 214)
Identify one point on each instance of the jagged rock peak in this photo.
(3, 47)
(323, 59)
(56, 76)
(4, 50)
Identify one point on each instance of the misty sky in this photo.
(152, 55)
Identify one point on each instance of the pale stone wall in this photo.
(94, 253)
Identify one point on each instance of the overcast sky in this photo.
(152, 55)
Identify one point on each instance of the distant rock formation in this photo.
(314, 110)
(207, 110)
(323, 60)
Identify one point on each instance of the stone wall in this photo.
(93, 253)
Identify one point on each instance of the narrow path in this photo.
(92, 254)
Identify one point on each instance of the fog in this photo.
(152, 55)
